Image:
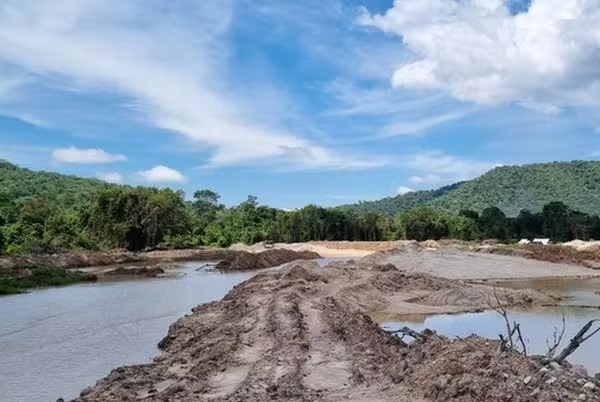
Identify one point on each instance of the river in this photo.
(54, 342)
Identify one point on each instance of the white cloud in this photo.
(545, 58)
(428, 178)
(418, 127)
(89, 155)
(169, 58)
(111, 177)
(162, 174)
(438, 167)
(404, 190)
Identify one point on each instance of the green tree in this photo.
(422, 224)
(493, 224)
(555, 219)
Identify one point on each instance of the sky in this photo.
(325, 102)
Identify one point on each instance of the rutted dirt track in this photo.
(303, 333)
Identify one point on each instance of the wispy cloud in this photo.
(169, 61)
(443, 167)
(418, 127)
(428, 178)
(88, 155)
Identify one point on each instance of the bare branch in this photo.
(578, 340)
(557, 339)
(408, 332)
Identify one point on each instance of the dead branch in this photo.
(557, 339)
(408, 332)
(577, 340)
(507, 342)
(520, 337)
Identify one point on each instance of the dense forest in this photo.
(47, 212)
(510, 188)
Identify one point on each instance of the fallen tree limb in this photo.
(577, 340)
(408, 332)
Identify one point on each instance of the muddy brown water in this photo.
(538, 325)
(55, 342)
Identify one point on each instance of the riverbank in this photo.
(305, 333)
(21, 273)
(34, 277)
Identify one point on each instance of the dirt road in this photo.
(303, 333)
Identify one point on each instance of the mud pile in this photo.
(149, 271)
(472, 370)
(589, 257)
(304, 333)
(242, 260)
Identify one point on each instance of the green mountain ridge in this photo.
(18, 184)
(510, 188)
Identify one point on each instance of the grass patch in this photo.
(42, 277)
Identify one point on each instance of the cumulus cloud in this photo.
(168, 58)
(404, 190)
(111, 177)
(85, 155)
(161, 174)
(544, 57)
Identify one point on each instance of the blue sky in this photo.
(325, 102)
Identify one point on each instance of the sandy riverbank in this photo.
(304, 333)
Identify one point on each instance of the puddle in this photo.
(537, 327)
(580, 306)
(578, 291)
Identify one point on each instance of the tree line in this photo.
(138, 218)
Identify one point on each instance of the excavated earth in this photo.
(304, 333)
(243, 260)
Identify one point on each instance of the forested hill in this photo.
(510, 188)
(69, 191)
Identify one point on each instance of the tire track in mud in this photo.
(295, 335)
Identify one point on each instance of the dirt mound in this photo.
(581, 245)
(562, 254)
(504, 250)
(472, 370)
(430, 244)
(242, 260)
(303, 334)
(380, 257)
(482, 297)
(150, 271)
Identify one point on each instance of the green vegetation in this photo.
(83, 214)
(510, 188)
(41, 277)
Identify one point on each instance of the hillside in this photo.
(393, 205)
(18, 184)
(511, 188)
